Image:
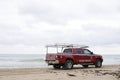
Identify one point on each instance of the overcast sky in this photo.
(26, 26)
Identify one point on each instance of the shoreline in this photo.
(109, 72)
(42, 67)
(47, 67)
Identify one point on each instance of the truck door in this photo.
(79, 56)
(87, 56)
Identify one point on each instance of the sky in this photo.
(26, 26)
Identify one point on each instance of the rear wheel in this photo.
(98, 63)
(56, 66)
(68, 64)
(85, 66)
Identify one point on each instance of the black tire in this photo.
(56, 66)
(85, 66)
(98, 63)
(68, 64)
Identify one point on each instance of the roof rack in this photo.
(67, 46)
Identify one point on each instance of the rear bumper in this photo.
(52, 62)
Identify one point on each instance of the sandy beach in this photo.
(107, 72)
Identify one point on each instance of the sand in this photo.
(107, 72)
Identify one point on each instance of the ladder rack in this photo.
(67, 46)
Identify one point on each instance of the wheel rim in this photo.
(98, 63)
(69, 65)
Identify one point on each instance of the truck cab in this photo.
(72, 55)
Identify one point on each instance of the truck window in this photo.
(68, 51)
(79, 51)
(87, 51)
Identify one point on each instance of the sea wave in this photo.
(32, 60)
(9, 60)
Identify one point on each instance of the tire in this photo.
(56, 66)
(85, 66)
(68, 64)
(98, 63)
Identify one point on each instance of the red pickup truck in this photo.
(72, 55)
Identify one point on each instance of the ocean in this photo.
(37, 60)
(22, 61)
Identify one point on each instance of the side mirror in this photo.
(91, 52)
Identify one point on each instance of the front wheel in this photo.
(68, 64)
(98, 63)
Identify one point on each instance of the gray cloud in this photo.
(36, 23)
(62, 11)
(99, 34)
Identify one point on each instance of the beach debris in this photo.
(97, 71)
(69, 74)
(119, 75)
(116, 73)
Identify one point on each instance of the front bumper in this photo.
(51, 62)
